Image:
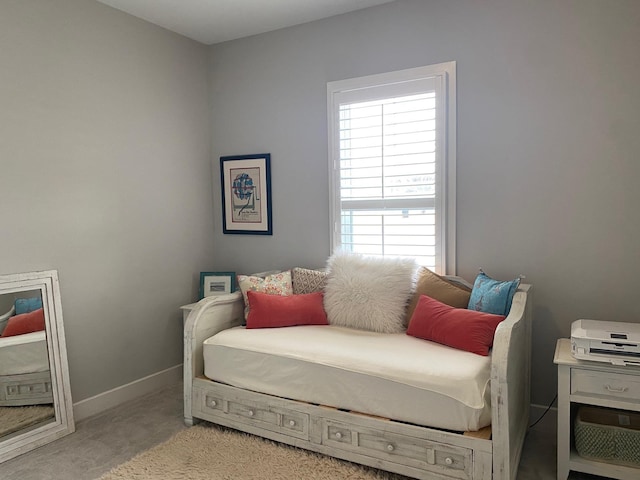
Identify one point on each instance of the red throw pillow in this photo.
(285, 311)
(24, 323)
(459, 328)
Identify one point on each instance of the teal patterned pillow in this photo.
(492, 296)
(27, 305)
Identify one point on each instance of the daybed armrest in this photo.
(510, 384)
(210, 316)
(9, 314)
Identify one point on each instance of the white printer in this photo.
(612, 342)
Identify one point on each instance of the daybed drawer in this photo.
(426, 455)
(285, 421)
(614, 385)
(27, 390)
(35, 387)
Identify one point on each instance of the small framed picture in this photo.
(246, 194)
(216, 283)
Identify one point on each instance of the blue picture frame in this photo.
(246, 194)
(216, 283)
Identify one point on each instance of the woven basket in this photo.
(608, 435)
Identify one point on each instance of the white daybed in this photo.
(25, 377)
(408, 443)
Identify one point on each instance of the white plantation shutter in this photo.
(391, 164)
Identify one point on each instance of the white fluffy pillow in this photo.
(368, 293)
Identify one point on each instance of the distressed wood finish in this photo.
(26, 389)
(210, 316)
(62, 424)
(510, 385)
(411, 450)
(581, 382)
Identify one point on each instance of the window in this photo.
(392, 164)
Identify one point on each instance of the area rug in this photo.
(13, 419)
(211, 453)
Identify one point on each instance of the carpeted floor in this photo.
(112, 438)
(13, 419)
(209, 452)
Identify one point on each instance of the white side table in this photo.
(591, 383)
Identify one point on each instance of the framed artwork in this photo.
(216, 283)
(246, 194)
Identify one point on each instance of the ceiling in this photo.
(215, 21)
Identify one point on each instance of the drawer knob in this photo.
(616, 390)
(292, 423)
(448, 461)
(390, 447)
(213, 403)
(338, 435)
(251, 413)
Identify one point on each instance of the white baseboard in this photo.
(116, 396)
(548, 422)
(537, 410)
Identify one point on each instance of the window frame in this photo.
(445, 201)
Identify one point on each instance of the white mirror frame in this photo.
(62, 424)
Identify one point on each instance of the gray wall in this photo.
(106, 177)
(105, 159)
(548, 142)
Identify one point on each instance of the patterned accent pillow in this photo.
(275, 284)
(492, 296)
(308, 281)
(26, 305)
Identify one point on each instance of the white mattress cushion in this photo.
(366, 366)
(24, 354)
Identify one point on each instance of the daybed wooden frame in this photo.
(26, 389)
(30, 388)
(410, 450)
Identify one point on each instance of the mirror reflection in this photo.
(26, 398)
(35, 396)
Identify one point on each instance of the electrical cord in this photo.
(545, 412)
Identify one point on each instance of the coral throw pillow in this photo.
(25, 323)
(267, 311)
(459, 328)
(274, 284)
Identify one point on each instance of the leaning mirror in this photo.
(35, 396)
